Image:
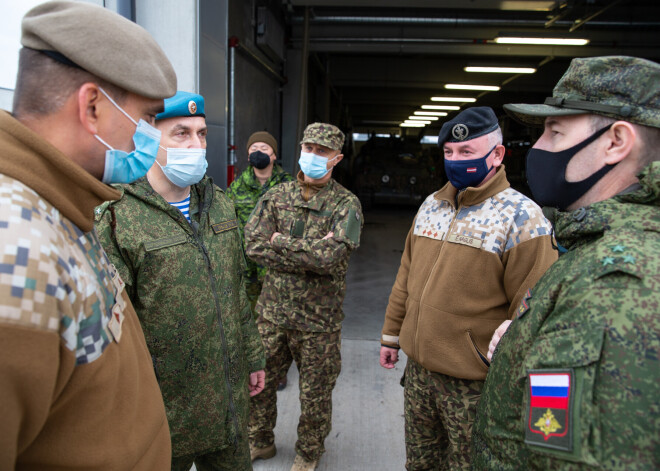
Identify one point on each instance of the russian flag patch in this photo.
(549, 409)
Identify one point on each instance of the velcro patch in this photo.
(353, 226)
(549, 411)
(164, 242)
(465, 240)
(224, 226)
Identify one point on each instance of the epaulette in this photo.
(618, 257)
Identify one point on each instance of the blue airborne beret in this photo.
(468, 124)
(182, 104)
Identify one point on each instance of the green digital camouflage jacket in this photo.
(575, 382)
(305, 283)
(245, 191)
(186, 282)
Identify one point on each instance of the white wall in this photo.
(10, 43)
(174, 25)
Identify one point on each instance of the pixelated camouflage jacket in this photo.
(305, 283)
(187, 285)
(245, 191)
(74, 365)
(589, 332)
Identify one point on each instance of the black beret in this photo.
(468, 124)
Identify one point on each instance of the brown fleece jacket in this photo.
(468, 261)
(78, 388)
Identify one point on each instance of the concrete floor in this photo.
(367, 419)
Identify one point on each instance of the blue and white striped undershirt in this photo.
(184, 207)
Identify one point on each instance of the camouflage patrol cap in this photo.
(101, 42)
(324, 134)
(621, 87)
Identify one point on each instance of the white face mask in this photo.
(185, 167)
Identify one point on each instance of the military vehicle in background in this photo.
(396, 170)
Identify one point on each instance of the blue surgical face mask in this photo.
(314, 166)
(464, 173)
(126, 167)
(185, 167)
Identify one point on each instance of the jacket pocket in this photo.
(481, 357)
(560, 415)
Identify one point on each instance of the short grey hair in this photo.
(495, 138)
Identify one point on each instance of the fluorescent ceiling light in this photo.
(453, 99)
(423, 118)
(501, 70)
(441, 107)
(456, 86)
(430, 113)
(527, 5)
(412, 125)
(425, 121)
(542, 41)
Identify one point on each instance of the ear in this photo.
(338, 159)
(498, 155)
(88, 112)
(622, 137)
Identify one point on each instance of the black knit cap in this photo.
(468, 124)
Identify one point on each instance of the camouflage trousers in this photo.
(228, 459)
(439, 414)
(318, 357)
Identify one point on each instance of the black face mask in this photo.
(259, 159)
(546, 174)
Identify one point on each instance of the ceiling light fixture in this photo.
(542, 41)
(453, 99)
(412, 125)
(441, 107)
(430, 113)
(425, 121)
(456, 86)
(500, 70)
(423, 118)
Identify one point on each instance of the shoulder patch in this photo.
(550, 409)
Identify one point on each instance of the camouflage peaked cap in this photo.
(325, 135)
(621, 87)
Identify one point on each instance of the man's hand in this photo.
(497, 335)
(275, 234)
(257, 382)
(328, 235)
(388, 357)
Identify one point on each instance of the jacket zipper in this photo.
(232, 407)
(421, 297)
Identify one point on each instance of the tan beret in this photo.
(102, 43)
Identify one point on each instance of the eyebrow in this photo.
(183, 127)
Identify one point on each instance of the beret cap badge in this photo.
(460, 132)
(192, 107)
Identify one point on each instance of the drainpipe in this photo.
(231, 160)
(302, 103)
